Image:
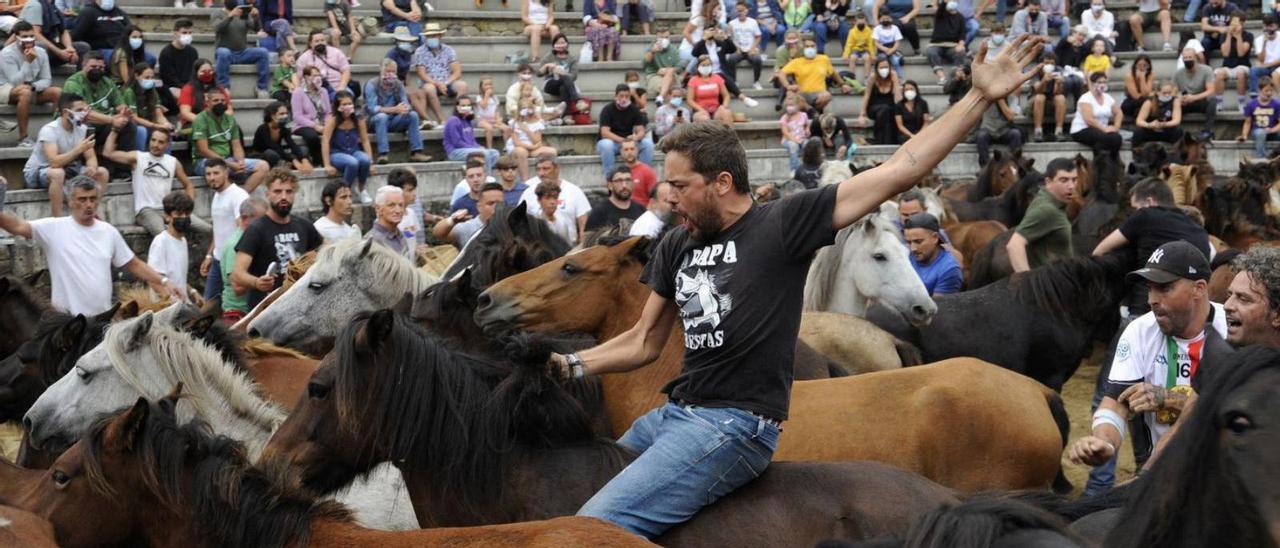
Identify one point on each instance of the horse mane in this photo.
(1074, 289)
(51, 322)
(197, 365)
(824, 272)
(262, 348)
(141, 294)
(511, 237)
(230, 502)
(463, 418)
(394, 273)
(207, 327)
(1192, 492)
(985, 521)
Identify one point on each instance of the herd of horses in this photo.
(370, 401)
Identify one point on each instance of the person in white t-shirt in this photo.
(63, 150)
(1267, 49)
(168, 252)
(224, 211)
(1163, 356)
(411, 223)
(335, 203)
(153, 175)
(548, 196)
(658, 214)
(888, 40)
(746, 37)
(573, 202)
(81, 251)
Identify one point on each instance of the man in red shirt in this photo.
(642, 176)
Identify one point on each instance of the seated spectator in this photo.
(829, 21)
(1237, 61)
(888, 41)
(560, 68)
(1098, 118)
(642, 175)
(709, 97)
(1100, 26)
(143, 100)
(461, 226)
(618, 206)
(64, 149)
(998, 126)
(203, 82)
(795, 127)
(100, 24)
(52, 34)
(273, 140)
(672, 113)
(958, 86)
(1048, 86)
(1071, 52)
(26, 78)
(168, 252)
(1199, 94)
(128, 54)
(1055, 13)
(572, 201)
(809, 169)
(562, 224)
(600, 21)
(748, 41)
(833, 134)
(636, 16)
(388, 206)
(935, 265)
(154, 171)
(622, 120)
(811, 73)
(1138, 84)
(460, 136)
(791, 48)
(1261, 120)
(402, 13)
(768, 14)
(107, 111)
(440, 71)
(235, 296)
(879, 104)
(177, 63)
(513, 187)
(860, 48)
(310, 106)
(402, 51)
(717, 47)
(662, 66)
(277, 237)
(217, 135)
(284, 78)
(539, 20)
(997, 41)
(335, 209)
(345, 146)
(1213, 24)
(1029, 20)
(639, 95)
(947, 46)
(970, 12)
(232, 46)
(902, 14)
(411, 225)
(526, 138)
(912, 114)
(389, 111)
(341, 25)
(1151, 13)
(332, 63)
(486, 111)
(709, 16)
(474, 176)
(1160, 117)
(1267, 49)
(520, 88)
(1098, 60)
(275, 21)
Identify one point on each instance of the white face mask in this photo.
(884, 72)
(1048, 69)
(791, 109)
(810, 53)
(526, 76)
(910, 94)
(184, 39)
(664, 43)
(704, 70)
(1097, 7)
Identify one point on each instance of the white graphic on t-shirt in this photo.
(702, 308)
(286, 247)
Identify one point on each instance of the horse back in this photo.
(21, 528)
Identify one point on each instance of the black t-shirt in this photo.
(176, 65)
(1068, 54)
(607, 215)
(268, 241)
(1218, 17)
(622, 122)
(739, 297)
(1149, 228)
(1231, 60)
(913, 120)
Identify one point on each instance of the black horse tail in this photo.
(908, 353)
(1061, 485)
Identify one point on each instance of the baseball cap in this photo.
(921, 220)
(1174, 260)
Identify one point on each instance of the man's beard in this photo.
(282, 209)
(621, 194)
(704, 222)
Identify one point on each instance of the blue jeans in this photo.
(608, 151)
(1260, 138)
(248, 166)
(224, 58)
(213, 282)
(354, 166)
(895, 61)
(490, 156)
(1062, 23)
(399, 123)
(689, 457)
(1255, 74)
(821, 32)
(793, 154)
(775, 38)
(971, 28)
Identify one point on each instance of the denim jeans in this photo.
(1255, 75)
(224, 58)
(690, 456)
(213, 282)
(1062, 23)
(774, 38)
(608, 151)
(1260, 138)
(821, 32)
(354, 167)
(490, 156)
(793, 154)
(971, 28)
(399, 123)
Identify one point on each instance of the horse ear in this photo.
(518, 219)
(212, 305)
(1193, 172)
(140, 330)
(130, 428)
(128, 310)
(34, 278)
(70, 332)
(364, 249)
(199, 326)
(1166, 172)
(378, 329)
(109, 315)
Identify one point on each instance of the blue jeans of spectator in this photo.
(248, 166)
(690, 456)
(1002, 8)
(971, 28)
(353, 166)
(383, 122)
(490, 156)
(224, 58)
(415, 28)
(774, 38)
(1255, 74)
(608, 151)
(821, 32)
(895, 61)
(1260, 138)
(213, 282)
(793, 154)
(1062, 23)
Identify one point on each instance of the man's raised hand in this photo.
(998, 77)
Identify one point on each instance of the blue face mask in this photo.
(405, 46)
(135, 43)
(677, 101)
(433, 43)
(107, 5)
(147, 84)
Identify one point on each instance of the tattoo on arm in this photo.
(910, 157)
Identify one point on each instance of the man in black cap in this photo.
(1157, 361)
(935, 266)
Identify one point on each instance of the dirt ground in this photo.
(1078, 395)
(10, 439)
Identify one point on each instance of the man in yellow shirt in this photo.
(810, 74)
(859, 46)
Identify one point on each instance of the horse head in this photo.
(60, 340)
(513, 241)
(447, 308)
(1148, 160)
(868, 263)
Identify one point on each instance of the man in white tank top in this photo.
(153, 175)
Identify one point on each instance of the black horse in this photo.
(1040, 323)
(60, 339)
(982, 522)
(514, 241)
(21, 307)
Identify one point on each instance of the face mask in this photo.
(135, 43)
(910, 94)
(205, 77)
(1096, 8)
(997, 39)
(1189, 63)
(320, 50)
(218, 109)
(283, 121)
(405, 46)
(1033, 16)
(78, 116)
(147, 84)
(317, 81)
(1100, 88)
(623, 104)
(526, 76)
(953, 6)
(861, 26)
(94, 75)
(1165, 98)
(107, 5)
(810, 53)
(1048, 69)
(526, 111)
(791, 109)
(347, 109)
(677, 101)
(664, 43)
(633, 85)
(184, 39)
(884, 72)
(433, 43)
(886, 24)
(464, 110)
(704, 70)
(182, 224)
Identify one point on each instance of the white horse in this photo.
(146, 357)
(348, 277)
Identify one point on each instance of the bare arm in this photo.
(14, 225)
(118, 156)
(637, 346)
(1113, 241)
(158, 283)
(1017, 248)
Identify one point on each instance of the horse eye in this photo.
(880, 257)
(1239, 423)
(60, 478)
(316, 286)
(84, 375)
(568, 268)
(317, 391)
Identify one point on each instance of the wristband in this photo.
(577, 369)
(1107, 416)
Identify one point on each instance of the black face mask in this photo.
(182, 224)
(94, 75)
(218, 109)
(862, 26)
(1033, 16)
(1190, 64)
(320, 49)
(282, 210)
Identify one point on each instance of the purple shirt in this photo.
(458, 134)
(1264, 114)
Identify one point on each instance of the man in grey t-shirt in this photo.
(460, 227)
(1195, 82)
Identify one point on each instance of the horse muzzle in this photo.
(495, 312)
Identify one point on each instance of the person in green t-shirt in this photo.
(236, 305)
(107, 108)
(1045, 232)
(284, 78)
(217, 135)
(662, 65)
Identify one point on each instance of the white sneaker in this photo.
(7, 126)
(756, 86)
(262, 94)
(364, 197)
(27, 143)
(1168, 46)
(750, 102)
(179, 4)
(1140, 49)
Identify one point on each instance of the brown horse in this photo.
(22, 528)
(858, 345)
(968, 238)
(140, 476)
(941, 421)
